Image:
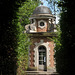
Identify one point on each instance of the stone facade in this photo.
(41, 51)
(44, 29)
(34, 48)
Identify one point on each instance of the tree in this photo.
(57, 40)
(23, 15)
(53, 5)
(8, 33)
(65, 56)
(26, 10)
(12, 37)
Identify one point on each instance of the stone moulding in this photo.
(36, 63)
(40, 22)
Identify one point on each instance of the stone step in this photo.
(40, 73)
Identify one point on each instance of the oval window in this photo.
(42, 24)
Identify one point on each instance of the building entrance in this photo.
(42, 58)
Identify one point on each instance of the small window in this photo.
(42, 24)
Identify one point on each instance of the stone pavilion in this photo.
(41, 30)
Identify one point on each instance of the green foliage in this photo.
(65, 56)
(8, 31)
(57, 40)
(23, 15)
(22, 50)
(13, 43)
(25, 11)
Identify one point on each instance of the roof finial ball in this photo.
(41, 3)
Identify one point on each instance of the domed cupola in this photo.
(42, 20)
(42, 10)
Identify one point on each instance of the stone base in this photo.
(49, 69)
(40, 73)
(32, 69)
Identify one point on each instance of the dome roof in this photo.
(42, 10)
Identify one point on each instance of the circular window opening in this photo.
(42, 24)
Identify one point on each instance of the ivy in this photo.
(23, 42)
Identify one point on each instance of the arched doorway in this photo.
(42, 58)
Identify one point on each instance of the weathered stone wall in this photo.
(32, 51)
(42, 29)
